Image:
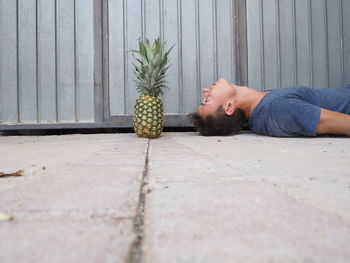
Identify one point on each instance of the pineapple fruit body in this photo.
(150, 82)
(148, 117)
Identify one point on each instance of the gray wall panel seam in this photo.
(278, 42)
(108, 98)
(57, 31)
(326, 42)
(104, 66)
(295, 50)
(105, 58)
(18, 65)
(76, 66)
(125, 45)
(161, 19)
(341, 23)
(215, 39)
(262, 47)
(198, 53)
(1, 68)
(311, 59)
(179, 47)
(240, 49)
(233, 21)
(38, 59)
(37, 12)
(106, 61)
(143, 20)
(97, 58)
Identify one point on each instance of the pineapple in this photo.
(150, 82)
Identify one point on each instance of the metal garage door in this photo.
(46, 62)
(65, 63)
(204, 36)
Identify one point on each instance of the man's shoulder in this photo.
(282, 93)
(283, 113)
(277, 100)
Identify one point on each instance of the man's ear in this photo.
(229, 108)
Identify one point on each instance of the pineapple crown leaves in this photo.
(151, 67)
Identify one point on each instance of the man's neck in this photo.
(246, 99)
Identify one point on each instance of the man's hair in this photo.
(219, 123)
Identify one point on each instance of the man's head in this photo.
(218, 113)
(220, 94)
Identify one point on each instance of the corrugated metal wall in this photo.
(203, 33)
(46, 61)
(298, 42)
(65, 63)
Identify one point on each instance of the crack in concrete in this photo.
(73, 215)
(135, 250)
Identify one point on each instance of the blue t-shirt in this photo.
(295, 111)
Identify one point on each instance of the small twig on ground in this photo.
(17, 173)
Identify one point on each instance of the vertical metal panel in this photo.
(179, 56)
(133, 33)
(346, 41)
(65, 61)
(27, 67)
(198, 57)
(303, 42)
(1, 36)
(189, 52)
(255, 44)
(334, 28)
(225, 39)
(84, 60)
(171, 34)
(319, 43)
(8, 62)
(116, 56)
(151, 14)
(46, 61)
(98, 61)
(240, 41)
(207, 43)
(271, 43)
(287, 42)
(202, 32)
(47, 51)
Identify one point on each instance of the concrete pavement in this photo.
(178, 198)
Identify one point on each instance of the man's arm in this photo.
(332, 122)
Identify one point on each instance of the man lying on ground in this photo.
(284, 112)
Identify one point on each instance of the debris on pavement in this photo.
(17, 173)
(5, 217)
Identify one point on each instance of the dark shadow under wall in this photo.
(43, 132)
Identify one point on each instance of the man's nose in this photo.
(205, 91)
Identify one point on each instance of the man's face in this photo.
(214, 97)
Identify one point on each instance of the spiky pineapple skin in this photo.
(148, 116)
(150, 73)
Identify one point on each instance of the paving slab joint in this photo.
(135, 250)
